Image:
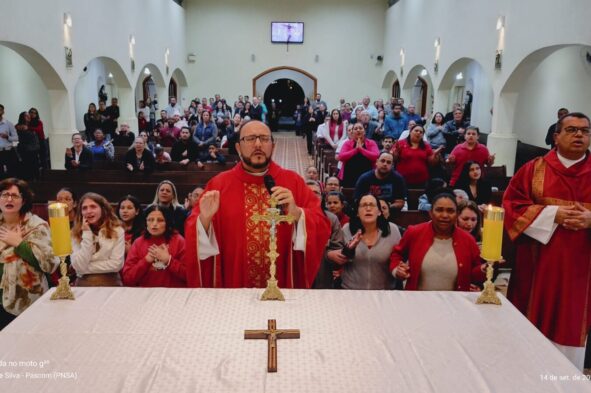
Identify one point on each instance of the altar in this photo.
(192, 340)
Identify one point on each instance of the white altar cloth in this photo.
(192, 340)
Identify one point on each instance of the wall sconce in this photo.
(437, 42)
(401, 62)
(316, 58)
(500, 22)
(459, 76)
(132, 39)
(67, 19)
(252, 57)
(166, 55)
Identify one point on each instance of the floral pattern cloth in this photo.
(21, 282)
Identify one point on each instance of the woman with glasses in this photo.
(369, 240)
(25, 250)
(435, 255)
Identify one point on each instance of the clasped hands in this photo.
(573, 217)
(159, 253)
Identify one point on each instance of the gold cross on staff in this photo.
(272, 334)
(273, 217)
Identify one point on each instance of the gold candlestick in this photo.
(273, 217)
(492, 244)
(59, 226)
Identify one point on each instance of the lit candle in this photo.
(59, 224)
(492, 233)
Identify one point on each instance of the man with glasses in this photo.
(383, 182)
(8, 158)
(548, 215)
(225, 248)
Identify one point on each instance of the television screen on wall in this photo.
(287, 32)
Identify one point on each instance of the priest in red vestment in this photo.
(548, 216)
(226, 249)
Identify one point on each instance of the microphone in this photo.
(269, 183)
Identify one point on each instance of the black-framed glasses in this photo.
(251, 139)
(573, 130)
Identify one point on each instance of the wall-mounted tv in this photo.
(287, 32)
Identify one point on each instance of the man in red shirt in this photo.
(471, 150)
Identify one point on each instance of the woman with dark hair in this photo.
(370, 239)
(413, 157)
(36, 125)
(333, 131)
(78, 156)
(129, 211)
(469, 219)
(28, 148)
(25, 250)
(167, 197)
(247, 110)
(435, 255)
(478, 189)
(335, 203)
(92, 121)
(98, 243)
(67, 196)
(435, 133)
(156, 258)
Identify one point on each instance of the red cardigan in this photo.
(137, 272)
(416, 242)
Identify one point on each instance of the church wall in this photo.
(467, 28)
(344, 34)
(563, 79)
(21, 87)
(98, 29)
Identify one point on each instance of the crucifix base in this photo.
(272, 292)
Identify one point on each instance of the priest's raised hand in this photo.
(208, 207)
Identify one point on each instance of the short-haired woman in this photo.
(435, 255)
(25, 250)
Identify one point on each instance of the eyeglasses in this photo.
(251, 139)
(573, 130)
(6, 196)
(368, 205)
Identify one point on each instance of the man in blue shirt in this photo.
(383, 182)
(396, 123)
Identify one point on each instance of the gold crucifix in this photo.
(272, 334)
(273, 217)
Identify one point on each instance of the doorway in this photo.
(285, 94)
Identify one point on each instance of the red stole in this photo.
(551, 283)
(242, 261)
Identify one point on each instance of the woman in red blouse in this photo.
(436, 255)
(413, 157)
(156, 258)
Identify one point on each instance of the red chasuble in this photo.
(243, 244)
(551, 283)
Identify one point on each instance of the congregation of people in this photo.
(383, 151)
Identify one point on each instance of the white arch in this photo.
(407, 87)
(307, 81)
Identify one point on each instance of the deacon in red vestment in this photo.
(548, 216)
(225, 248)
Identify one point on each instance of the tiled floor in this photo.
(290, 152)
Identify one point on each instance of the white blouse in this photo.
(97, 254)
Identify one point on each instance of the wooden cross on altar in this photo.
(272, 334)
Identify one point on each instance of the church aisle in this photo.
(290, 152)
